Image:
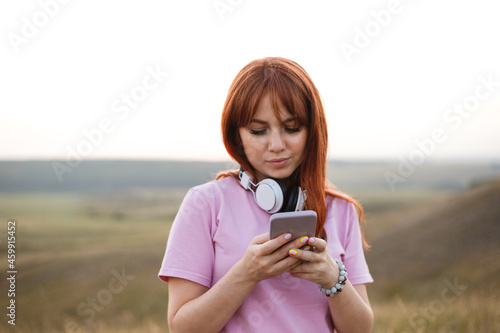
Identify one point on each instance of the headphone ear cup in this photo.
(291, 200)
(269, 195)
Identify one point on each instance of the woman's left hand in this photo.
(318, 265)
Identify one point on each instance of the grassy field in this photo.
(436, 265)
(69, 249)
(88, 263)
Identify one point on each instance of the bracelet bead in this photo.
(328, 292)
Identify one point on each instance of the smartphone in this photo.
(301, 223)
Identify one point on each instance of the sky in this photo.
(414, 80)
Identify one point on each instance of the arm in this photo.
(196, 308)
(350, 309)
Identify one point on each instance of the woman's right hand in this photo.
(266, 258)
(193, 307)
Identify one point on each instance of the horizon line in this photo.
(330, 160)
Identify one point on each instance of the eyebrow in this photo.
(258, 121)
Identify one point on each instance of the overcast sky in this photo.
(147, 79)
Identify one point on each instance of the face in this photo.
(274, 147)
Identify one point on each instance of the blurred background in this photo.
(110, 112)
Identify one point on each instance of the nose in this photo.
(276, 142)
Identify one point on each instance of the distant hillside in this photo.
(454, 239)
(96, 175)
(106, 175)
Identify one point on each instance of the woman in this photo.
(224, 274)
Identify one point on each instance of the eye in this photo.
(257, 132)
(293, 129)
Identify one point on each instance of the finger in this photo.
(303, 275)
(287, 264)
(298, 243)
(302, 254)
(260, 239)
(278, 248)
(318, 244)
(297, 264)
(269, 246)
(301, 270)
(301, 267)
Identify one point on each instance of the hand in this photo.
(318, 266)
(265, 258)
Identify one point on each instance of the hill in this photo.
(434, 252)
(448, 253)
(99, 175)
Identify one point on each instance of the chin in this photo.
(280, 174)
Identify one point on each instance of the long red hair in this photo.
(285, 82)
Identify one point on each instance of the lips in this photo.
(278, 162)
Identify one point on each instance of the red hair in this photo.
(288, 84)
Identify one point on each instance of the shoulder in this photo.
(203, 202)
(221, 185)
(341, 210)
(215, 190)
(338, 201)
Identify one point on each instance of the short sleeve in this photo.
(190, 251)
(354, 258)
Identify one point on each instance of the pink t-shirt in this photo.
(212, 230)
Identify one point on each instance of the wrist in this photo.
(242, 276)
(333, 288)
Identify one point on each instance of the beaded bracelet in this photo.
(337, 288)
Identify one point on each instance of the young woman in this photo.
(224, 274)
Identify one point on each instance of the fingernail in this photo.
(292, 252)
(304, 239)
(307, 248)
(311, 240)
(287, 236)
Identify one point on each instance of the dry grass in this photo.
(472, 312)
(453, 241)
(66, 256)
(71, 246)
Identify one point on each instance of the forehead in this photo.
(268, 111)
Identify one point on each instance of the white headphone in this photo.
(272, 196)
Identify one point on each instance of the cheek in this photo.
(254, 148)
(252, 142)
(299, 143)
